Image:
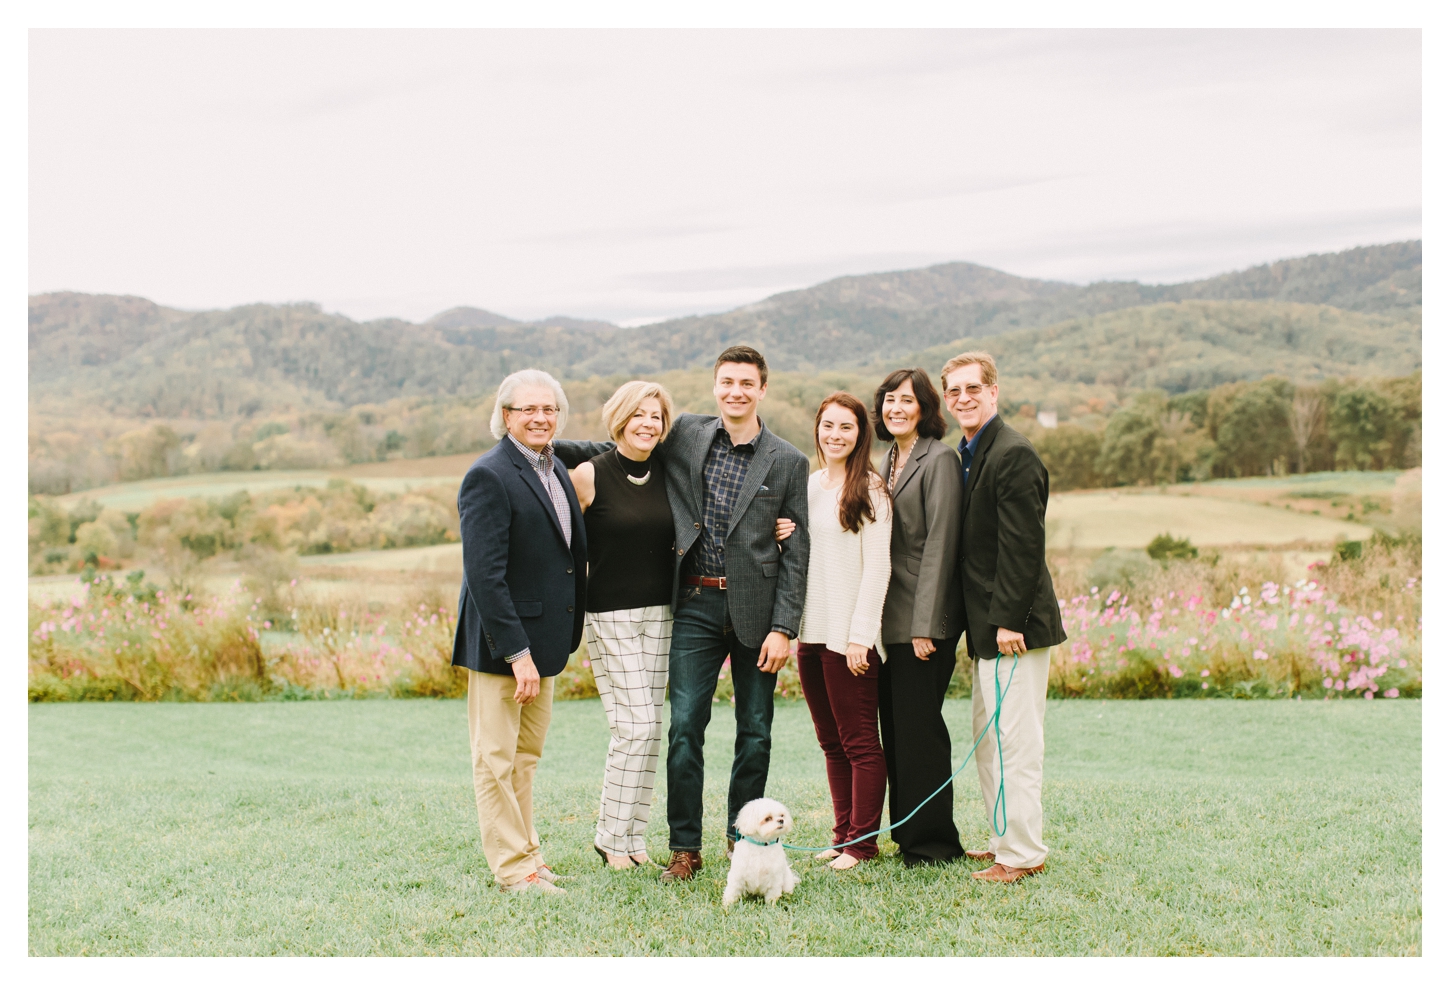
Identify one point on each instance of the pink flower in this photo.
(1260, 655)
(1203, 673)
(1393, 692)
(1175, 670)
(1328, 683)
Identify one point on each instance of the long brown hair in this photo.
(861, 475)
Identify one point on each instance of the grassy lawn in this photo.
(1183, 827)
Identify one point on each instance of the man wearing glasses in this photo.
(1011, 610)
(520, 615)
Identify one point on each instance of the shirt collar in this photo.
(536, 459)
(753, 443)
(970, 447)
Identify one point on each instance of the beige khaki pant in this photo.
(507, 740)
(1024, 707)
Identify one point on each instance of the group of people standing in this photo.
(692, 538)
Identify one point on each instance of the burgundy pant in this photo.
(843, 708)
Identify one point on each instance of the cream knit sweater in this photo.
(848, 574)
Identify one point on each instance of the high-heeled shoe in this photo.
(618, 862)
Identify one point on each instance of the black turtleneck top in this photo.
(631, 535)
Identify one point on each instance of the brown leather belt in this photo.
(705, 582)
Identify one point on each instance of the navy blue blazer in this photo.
(522, 585)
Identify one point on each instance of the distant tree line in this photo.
(1266, 427)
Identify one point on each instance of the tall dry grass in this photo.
(1207, 627)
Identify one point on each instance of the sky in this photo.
(638, 175)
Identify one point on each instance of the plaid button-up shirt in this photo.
(725, 467)
(543, 463)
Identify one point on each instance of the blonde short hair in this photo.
(510, 386)
(619, 408)
(983, 359)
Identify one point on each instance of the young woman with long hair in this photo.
(850, 566)
(924, 614)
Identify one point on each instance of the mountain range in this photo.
(1357, 312)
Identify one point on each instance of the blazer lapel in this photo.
(993, 426)
(912, 466)
(532, 480)
(704, 435)
(759, 466)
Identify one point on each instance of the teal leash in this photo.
(998, 808)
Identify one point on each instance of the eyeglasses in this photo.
(531, 410)
(971, 390)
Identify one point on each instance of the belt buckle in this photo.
(722, 583)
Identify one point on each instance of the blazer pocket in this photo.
(913, 564)
(528, 608)
(770, 568)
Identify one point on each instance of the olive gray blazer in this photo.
(924, 597)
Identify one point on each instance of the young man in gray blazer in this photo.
(737, 593)
(1011, 610)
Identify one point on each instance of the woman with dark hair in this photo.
(850, 565)
(923, 615)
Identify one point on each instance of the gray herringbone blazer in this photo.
(924, 596)
(767, 581)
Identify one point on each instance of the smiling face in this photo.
(642, 431)
(968, 400)
(737, 391)
(837, 434)
(900, 411)
(532, 416)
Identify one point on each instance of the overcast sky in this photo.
(634, 175)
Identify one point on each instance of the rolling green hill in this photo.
(1195, 345)
(129, 356)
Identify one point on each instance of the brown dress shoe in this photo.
(981, 856)
(1006, 873)
(682, 867)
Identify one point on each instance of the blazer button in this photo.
(681, 552)
(571, 608)
(568, 571)
(697, 526)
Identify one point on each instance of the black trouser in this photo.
(918, 749)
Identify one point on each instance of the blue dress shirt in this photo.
(968, 450)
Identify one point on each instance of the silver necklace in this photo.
(638, 482)
(898, 462)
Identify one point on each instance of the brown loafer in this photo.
(981, 856)
(682, 867)
(1006, 873)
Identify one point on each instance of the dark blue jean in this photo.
(702, 640)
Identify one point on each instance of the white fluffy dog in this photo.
(760, 870)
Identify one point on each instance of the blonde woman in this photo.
(628, 620)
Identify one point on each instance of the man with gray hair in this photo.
(520, 614)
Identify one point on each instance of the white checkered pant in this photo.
(629, 652)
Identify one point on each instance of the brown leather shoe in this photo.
(1006, 873)
(682, 867)
(729, 846)
(981, 856)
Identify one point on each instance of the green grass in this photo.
(1212, 827)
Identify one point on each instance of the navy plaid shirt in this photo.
(725, 466)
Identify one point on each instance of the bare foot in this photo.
(827, 855)
(844, 862)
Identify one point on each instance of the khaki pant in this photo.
(507, 739)
(1024, 707)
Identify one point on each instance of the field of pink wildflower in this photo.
(1192, 629)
